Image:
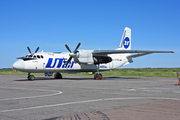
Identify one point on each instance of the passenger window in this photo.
(38, 56)
(34, 56)
(42, 56)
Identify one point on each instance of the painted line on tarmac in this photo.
(128, 89)
(178, 92)
(55, 105)
(87, 101)
(47, 95)
(133, 98)
(151, 90)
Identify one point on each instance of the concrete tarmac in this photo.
(82, 98)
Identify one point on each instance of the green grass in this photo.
(141, 72)
(129, 72)
(10, 71)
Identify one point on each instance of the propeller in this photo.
(28, 49)
(29, 52)
(37, 49)
(72, 54)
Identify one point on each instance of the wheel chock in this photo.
(97, 78)
(178, 77)
(178, 83)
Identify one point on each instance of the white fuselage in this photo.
(42, 62)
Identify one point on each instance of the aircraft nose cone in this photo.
(19, 65)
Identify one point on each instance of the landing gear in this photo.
(58, 76)
(30, 77)
(98, 76)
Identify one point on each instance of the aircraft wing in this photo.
(127, 51)
(140, 52)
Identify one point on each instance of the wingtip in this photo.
(172, 51)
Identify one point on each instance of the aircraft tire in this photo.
(95, 75)
(31, 77)
(98, 76)
(58, 76)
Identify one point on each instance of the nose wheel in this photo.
(30, 77)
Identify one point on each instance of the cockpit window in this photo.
(34, 56)
(30, 56)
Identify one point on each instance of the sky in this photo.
(97, 24)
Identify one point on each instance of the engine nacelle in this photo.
(85, 57)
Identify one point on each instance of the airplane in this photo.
(80, 60)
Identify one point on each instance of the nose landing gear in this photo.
(30, 77)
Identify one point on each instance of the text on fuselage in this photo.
(59, 63)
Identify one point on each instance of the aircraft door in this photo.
(111, 65)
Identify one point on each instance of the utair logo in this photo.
(59, 62)
(126, 42)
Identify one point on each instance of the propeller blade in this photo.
(67, 47)
(28, 49)
(37, 49)
(77, 47)
(68, 61)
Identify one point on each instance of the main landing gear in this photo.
(57, 76)
(30, 77)
(98, 76)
